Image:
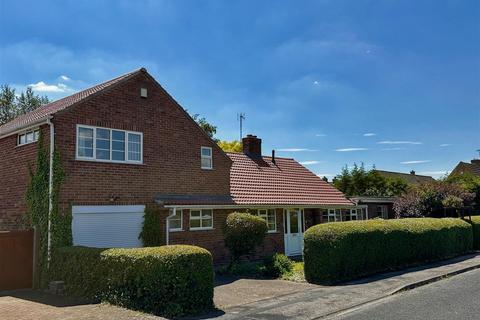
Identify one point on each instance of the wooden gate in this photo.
(16, 259)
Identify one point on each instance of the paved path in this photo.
(323, 301)
(454, 298)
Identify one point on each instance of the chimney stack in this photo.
(273, 156)
(252, 146)
(412, 172)
(475, 161)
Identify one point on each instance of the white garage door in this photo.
(107, 226)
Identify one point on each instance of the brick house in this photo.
(472, 168)
(126, 144)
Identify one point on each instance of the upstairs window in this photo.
(110, 145)
(28, 137)
(206, 158)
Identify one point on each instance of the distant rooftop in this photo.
(411, 177)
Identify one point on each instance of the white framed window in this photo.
(270, 218)
(331, 215)
(201, 219)
(353, 214)
(28, 137)
(109, 145)
(206, 157)
(175, 223)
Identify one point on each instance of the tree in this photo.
(230, 146)
(360, 182)
(470, 183)
(11, 106)
(209, 128)
(430, 199)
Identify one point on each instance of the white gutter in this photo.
(260, 206)
(167, 224)
(50, 188)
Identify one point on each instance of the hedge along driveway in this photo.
(342, 251)
(168, 280)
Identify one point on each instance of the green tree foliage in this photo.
(230, 146)
(151, 234)
(360, 182)
(37, 199)
(430, 199)
(470, 183)
(209, 128)
(243, 232)
(11, 106)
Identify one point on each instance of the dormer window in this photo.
(28, 137)
(206, 158)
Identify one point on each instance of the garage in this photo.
(107, 226)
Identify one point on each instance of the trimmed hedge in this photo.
(342, 251)
(169, 280)
(476, 231)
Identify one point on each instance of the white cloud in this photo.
(65, 78)
(350, 149)
(310, 162)
(43, 87)
(415, 161)
(445, 145)
(369, 134)
(320, 135)
(399, 142)
(392, 149)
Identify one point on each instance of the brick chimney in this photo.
(252, 146)
(412, 172)
(475, 161)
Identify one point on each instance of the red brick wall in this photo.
(14, 162)
(171, 150)
(171, 154)
(213, 240)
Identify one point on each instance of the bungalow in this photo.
(126, 144)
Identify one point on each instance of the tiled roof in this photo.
(49, 109)
(193, 199)
(473, 167)
(408, 177)
(259, 181)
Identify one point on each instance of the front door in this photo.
(293, 232)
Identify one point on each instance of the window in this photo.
(382, 211)
(206, 158)
(110, 145)
(175, 222)
(28, 137)
(353, 214)
(270, 218)
(201, 219)
(331, 215)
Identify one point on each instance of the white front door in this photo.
(293, 232)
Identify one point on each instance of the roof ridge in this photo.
(270, 157)
(42, 112)
(405, 173)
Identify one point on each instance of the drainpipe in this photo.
(167, 224)
(50, 189)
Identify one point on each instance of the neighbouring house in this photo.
(467, 168)
(126, 144)
(382, 207)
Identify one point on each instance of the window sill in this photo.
(201, 229)
(109, 161)
(207, 168)
(175, 230)
(25, 144)
(272, 232)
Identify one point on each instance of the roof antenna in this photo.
(241, 118)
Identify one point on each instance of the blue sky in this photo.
(329, 83)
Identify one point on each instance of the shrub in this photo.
(243, 232)
(168, 280)
(342, 251)
(151, 234)
(476, 231)
(277, 265)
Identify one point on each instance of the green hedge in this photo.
(168, 280)
(341, 251)
(476, 232)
